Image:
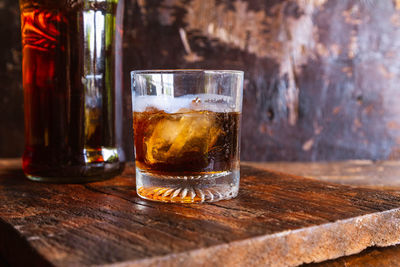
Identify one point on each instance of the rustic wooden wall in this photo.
(11, 93)
(321, 77)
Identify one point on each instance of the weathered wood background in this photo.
(321, 76)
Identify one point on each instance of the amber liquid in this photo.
(187, 157)
(68, 80)
(190, 143)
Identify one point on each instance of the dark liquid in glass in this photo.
(188, 143)
(69, 90)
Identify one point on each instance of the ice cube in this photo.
(164, 134)
(190, 134)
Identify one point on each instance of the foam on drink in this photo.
(170, 104)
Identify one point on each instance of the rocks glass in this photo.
(187, 134)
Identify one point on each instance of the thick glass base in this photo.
(187, 189)
(78, 174)
(42, 164)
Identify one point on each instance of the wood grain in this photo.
(277, 219)
(360, 173)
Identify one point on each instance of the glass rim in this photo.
(188, 71)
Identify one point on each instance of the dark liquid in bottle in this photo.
(69, 87)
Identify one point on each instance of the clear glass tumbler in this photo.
(187, 134)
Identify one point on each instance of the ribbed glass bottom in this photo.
(188, 189)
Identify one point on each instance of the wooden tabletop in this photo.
(278, 219)
(360, 173)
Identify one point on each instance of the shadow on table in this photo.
(12, 176)
(374, 256)
(11, 171)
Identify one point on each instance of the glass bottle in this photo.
(69, 90)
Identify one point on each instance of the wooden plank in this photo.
(361, 173)
(277, 219)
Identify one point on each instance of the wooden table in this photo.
(278, 219)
